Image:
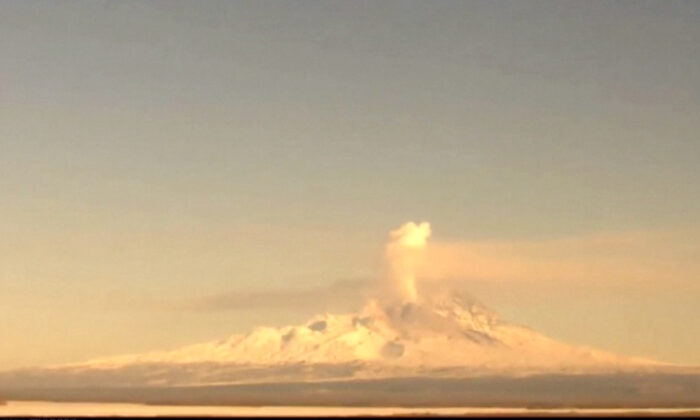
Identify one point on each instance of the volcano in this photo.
(441, 331)
(443, 349)
(408, 345)
(444, 334)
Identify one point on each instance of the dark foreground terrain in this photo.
(542, 391)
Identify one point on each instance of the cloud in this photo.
(338, 293)
(656, 257)
(661, 256)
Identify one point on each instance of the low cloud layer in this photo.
(659, 258)
(319, 298)
(670, 256)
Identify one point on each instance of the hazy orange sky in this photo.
(156, 155)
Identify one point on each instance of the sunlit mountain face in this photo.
(407, 335)
(404, 329)
(444, 333)
(442, 349)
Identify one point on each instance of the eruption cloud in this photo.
(404, 254)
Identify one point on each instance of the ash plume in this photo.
(404, 254)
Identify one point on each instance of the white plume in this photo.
(404, 254)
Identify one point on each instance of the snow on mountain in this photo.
(403, 333)
(440, 331)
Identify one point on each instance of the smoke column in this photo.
(404, 253)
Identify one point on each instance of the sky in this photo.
(164, 162)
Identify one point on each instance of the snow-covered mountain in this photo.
(402, 332)
(443, 332)
(410, 345)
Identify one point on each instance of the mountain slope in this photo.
(440, 331)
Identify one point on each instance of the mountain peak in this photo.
(438, 330)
